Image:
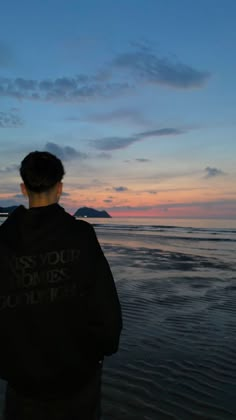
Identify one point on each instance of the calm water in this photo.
(177, 285)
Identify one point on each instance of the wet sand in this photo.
(177, 354)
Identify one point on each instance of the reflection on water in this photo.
(160, 221)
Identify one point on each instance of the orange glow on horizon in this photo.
(137, 203)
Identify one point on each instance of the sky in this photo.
(137, 97)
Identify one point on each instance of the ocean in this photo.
(177, 285)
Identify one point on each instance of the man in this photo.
(59, 309)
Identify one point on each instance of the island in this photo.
(88, 212)
(5, 211)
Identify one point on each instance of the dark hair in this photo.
(40, 171)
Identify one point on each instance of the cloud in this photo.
(18, 196)
(104, 155)
(152, 192)
(10, 119)
(5, 55)
(63, 89)
(204, 204)
(108, 200)
(93, 184)
(143, 160)
(120, 189)
(8, 186)
(9, 169)
(145, 65)
(114, 143)
(65, 153)
(167, 131)
(213, 172)
(73, 118)
(140, 64)
(182, 205)
(124, 114)
(124, 208)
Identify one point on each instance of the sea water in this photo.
(177, 284)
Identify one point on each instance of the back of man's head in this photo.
(41, 171)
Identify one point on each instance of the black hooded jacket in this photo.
(59, 309)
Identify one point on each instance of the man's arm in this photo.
(104, 310)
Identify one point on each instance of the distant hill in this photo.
(88, 212)
(7, 210)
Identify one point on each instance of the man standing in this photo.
(59, 309)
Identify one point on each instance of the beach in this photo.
(177, 289)
(177, 286)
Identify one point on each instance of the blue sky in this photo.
(136, 97)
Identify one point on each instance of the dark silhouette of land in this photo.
(88, 212)
(81, 212)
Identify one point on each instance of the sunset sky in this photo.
(137, 97)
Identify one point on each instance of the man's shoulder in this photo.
(79, 224)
